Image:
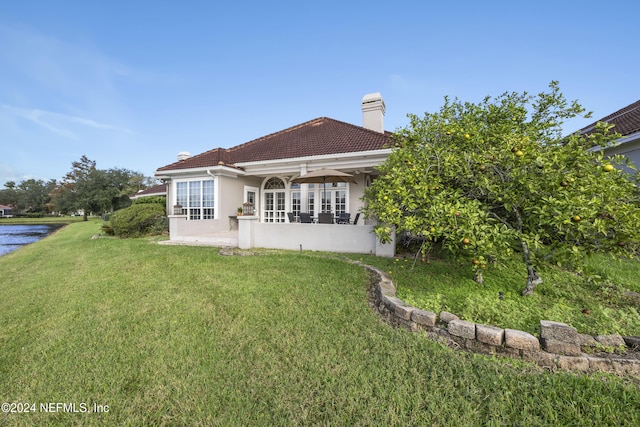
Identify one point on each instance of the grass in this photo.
(600, 300)
(169, 335)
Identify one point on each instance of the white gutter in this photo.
(330, 157)
(619, 142)
(224, 170)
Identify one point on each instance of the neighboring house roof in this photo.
(626, 120)
(321, 136)
(157, 190)
(3, 207)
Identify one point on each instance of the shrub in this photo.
(139, 220)
(107, 228)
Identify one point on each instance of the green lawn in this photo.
(167, 335)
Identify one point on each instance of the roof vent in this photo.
(183, 155)
(373, 109)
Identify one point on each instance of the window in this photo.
(333, 197)
(311, 199)
(340, 201)
(250, 206)
(274, 200)
(197, 198)
(296, 200)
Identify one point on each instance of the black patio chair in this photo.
(325, 218)
(357, 217)
(343, 218)
(291, 217)
(305, 218)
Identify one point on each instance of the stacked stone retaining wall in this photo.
(559, 346)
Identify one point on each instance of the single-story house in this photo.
(244, 195)
(627, 124)
(156, 190)
(5, 211)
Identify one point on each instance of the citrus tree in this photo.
(488, 179)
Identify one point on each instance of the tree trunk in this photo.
(478, 277)
(533, 279)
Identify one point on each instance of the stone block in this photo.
(560, 347)
(587, 340)
(520, 340)
(632, 342)
(386, 287)
(404, 311)
(423, 317)
(462, 328)
(391, 302)
(558, 332)
(626, 367)
(543, 359)
(407, 324)
(447, 317)
(600, 364)
(573, 363)
(610, 340)
(490, 335)
(479, 347)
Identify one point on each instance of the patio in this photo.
(345, 238)
(251, 233)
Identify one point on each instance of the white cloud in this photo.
(59, 123)
(59, 84)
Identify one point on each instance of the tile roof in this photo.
(626, 120)
(321, 136)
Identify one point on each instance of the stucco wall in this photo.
(342, 238)
(180, 227)
(630, 149)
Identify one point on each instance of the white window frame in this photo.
(187, 209)
(276, 215)
(331, 193)
(249, 189)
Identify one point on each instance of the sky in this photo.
(131, 83)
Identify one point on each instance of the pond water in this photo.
(14, 236)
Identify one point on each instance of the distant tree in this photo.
(490, 179)
(76, 191)
(87, 188)
(140, 182)
(161, 200)
(9, 195)
(33, 195)
(123, 183)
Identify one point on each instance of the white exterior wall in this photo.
(628, 146)
(343, 238)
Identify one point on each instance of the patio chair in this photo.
(291, 217)
(343, 218)
(305, 218)
(355, 220)
(325, 218)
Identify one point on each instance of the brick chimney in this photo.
(373, 112)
